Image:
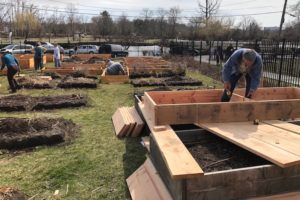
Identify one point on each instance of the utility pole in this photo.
(282, 18)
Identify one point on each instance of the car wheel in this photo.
(91, 52)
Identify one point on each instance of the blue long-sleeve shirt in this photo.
(233, 64)
(9, 60)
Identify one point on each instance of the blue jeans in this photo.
(234, 78)
(57, 62)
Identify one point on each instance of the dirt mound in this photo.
(8, 193)
(13, 103)
(80, 82)
(82, 74)
(53, 75)
(19, 133)
(173, 81)
(34, 83)
(55, 102)
(147, 74)
(94, 60)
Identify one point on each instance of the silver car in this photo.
(18, 48)
(88, 49)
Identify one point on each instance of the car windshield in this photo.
(9, 47)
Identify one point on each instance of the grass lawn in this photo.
(93, 166)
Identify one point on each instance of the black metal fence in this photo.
(281, 58)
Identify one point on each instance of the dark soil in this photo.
(94, 60)
(19, 133)
(56, 102)
(8, 193)
(53, 75)
(34, 83)
(82, 74)
(173, 81)
(216, 154)
(71, 82)
(13, 103)
(167, 73)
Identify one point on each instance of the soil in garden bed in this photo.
(216, 154)
(8, 193)
(20, 133)
(173, 81)
(13, 103)
(167, 73)
(34, 83)
(80, 82)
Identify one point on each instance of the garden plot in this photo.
(76, 80)
(13, 103)
(173, 81)
(19, 133)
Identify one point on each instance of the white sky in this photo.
(188, 7)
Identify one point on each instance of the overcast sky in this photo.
(271, 8)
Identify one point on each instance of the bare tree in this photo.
(71, 19)
(295, 10)
(208, 8)
(173, 18)
(161, 20)
(250, 28)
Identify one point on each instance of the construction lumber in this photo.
(120, 123)
(286, 196)
(204, 106)
(85, 57)
(279, 146)
(284, 125)
(127, 122)
(113, 78)
(139, 122)
(179, 161)
(26, 63)
(146, 184)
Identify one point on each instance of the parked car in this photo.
(69, 52)
(113, 49)
(50, 47)
(88, 49)
(19, 48)
(179, 50)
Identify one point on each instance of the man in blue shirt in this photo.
(38, 56)
(243, 62)
(13, 67)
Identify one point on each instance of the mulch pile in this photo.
(80, 82)
(20, 133)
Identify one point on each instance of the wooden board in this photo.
(286, 196)
(178, 159)
(139, 122)
(120, 124)
(279, 146)
(187, 107)
(129, 119)
(145, 184)
(284, 125)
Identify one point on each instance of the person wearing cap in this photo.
(13, 67)
(114, 68)
(243, 62)
(38, 56)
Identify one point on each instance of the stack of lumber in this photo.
(127, 122)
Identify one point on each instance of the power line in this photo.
(136, 16)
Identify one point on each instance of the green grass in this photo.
(95, 165)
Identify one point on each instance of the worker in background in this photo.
(13, 68)
(56, 56)
(114, 68)
(243, 62)
(38, 56)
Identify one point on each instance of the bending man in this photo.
(13, 67)
(243, 62)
